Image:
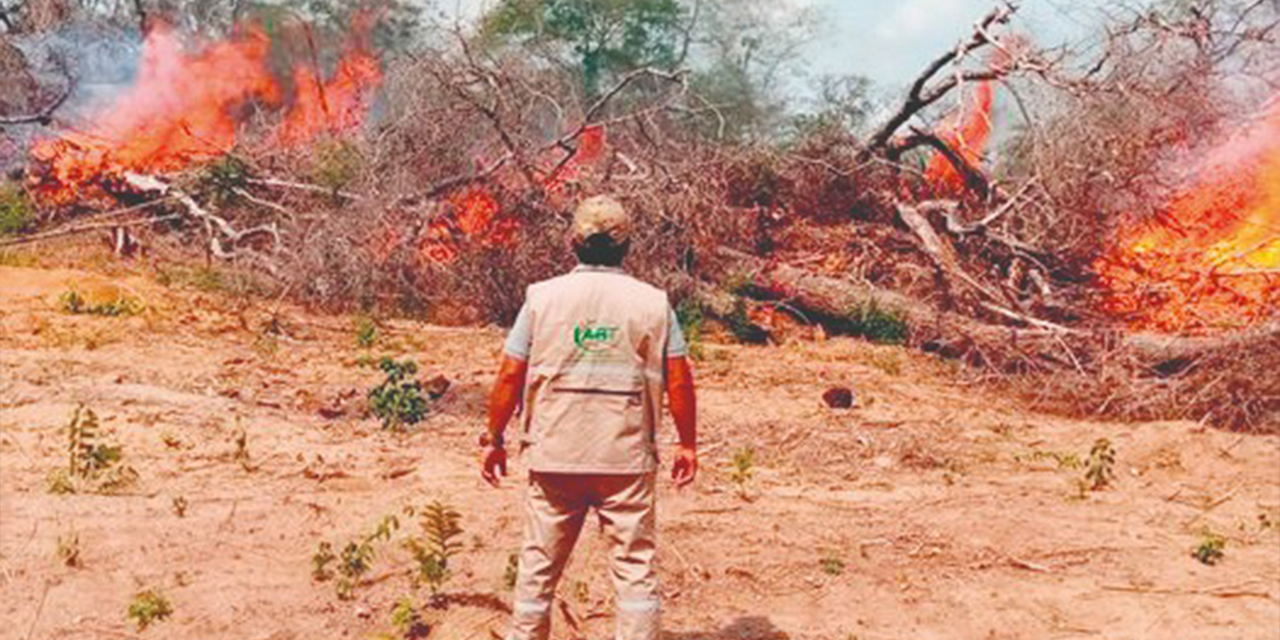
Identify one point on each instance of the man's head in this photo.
(601, 232)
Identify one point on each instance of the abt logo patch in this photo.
(595, 337)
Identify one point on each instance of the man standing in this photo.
(591, 355)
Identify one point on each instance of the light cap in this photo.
(601, 215)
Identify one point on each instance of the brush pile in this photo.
(1122, 257)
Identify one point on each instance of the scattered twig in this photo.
(44, 595)
(221, 233)
(1029, 566)
(1238, 590)
(73, 230)
(301, 186)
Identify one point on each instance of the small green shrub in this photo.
(690, 315)
(398, 400)
(320, 562)
(743, 329)
(179, 506)
(1211, 549)
(881, 326)
(224, 179)
(406, 622)
(356, 558)
(148, 607)
(91, 463)
(366, 332)
(74, 303)
(59, 482)
(337, 164)
(832, 565)
(17, 212)
(241, 455)
(512, 572)
(437, 545)
(742, 469)
(405, 614)
(68, 550)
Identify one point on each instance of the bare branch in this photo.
(921, 95)
(974, 178)
(223, 237)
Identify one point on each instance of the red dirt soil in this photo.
(933, 510)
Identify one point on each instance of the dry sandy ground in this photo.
(933, 512)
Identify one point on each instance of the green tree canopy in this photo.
(604, 37)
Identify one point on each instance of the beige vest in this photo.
(593, 396)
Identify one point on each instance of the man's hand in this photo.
(493, 465)
(685, 466)
(503, 401)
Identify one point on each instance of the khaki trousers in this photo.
(556, 506)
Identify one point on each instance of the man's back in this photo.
(594, 390)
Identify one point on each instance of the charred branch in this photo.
(923, 94)
(974, 178)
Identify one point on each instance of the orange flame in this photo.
(337, 105)
(477, 214)
(180, 110)
(1212, 259)
(965, 131)
(591, 148)
(186, 107)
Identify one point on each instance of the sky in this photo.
(890, 41)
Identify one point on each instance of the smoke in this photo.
(98, 59)
(101, 59)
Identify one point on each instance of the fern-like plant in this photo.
(438, 543)
(91, 462)
(1099, 470)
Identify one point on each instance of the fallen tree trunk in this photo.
(833, 300)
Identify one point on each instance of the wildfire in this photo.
(186, 107)
(338, 104)
(476, 213)
(966, 131)
(1212, 259)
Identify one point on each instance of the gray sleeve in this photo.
(520, 339)
(677, 347)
